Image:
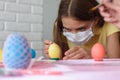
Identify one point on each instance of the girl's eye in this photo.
(66, 29)
(81, 29)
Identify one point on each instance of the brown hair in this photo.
(79, 9)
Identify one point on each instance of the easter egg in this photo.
(33, 53)
(0, 54)
(98, 52)
(54, 51)
(16, 52)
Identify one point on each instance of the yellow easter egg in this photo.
(0, 54)
(54, 51)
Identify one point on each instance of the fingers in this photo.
(109, 16)
(72, 50)
(76, 53)
(109, 13)
(110, 19)
(104, 12)
(111, 6)
(70, 53)
(48, 42)
(46, 47)
(46, 52)
(82, 54)
(103, 1)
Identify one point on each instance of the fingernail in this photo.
(64, 58)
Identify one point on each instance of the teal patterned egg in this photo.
(16, 52)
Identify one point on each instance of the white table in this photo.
(108, 69)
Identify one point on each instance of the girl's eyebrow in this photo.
(81, 27)
(65, 27)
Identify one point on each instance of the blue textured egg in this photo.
(16, 52)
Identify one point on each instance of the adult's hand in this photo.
(111, 12)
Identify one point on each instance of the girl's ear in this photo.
(96, 21)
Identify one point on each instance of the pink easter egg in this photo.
(98, 52)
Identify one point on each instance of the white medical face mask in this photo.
(79, 38)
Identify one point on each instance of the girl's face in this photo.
(70, 24)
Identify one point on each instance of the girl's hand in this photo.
(111, 12)
(46, 47)
(77, 53)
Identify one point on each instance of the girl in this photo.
(77, 29)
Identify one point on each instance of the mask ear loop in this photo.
(91, 26)
(63, 30)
